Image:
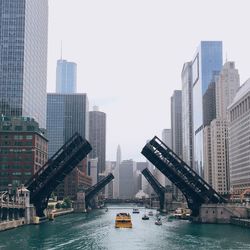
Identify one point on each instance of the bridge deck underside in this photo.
(92, 191)
(43, 183)
(193, 187)
(158, 188)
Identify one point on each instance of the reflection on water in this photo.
(96, 231)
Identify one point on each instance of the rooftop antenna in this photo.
(226, 57)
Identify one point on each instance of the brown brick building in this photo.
(23, 150)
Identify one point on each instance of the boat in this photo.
(145, 217)
(123, 220)
(136, 211)
(158, 222)
(182, 213)
(150, 213)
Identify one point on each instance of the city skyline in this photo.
(130, 53)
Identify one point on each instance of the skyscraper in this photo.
(216, 164)
(187, 114)
(176, 122)
(176, 128)
(116, 172)
(23, 58)
(126, 179)
(66, 115)
(239, 134)
(66, 77)
(97, 138)
(207, 59)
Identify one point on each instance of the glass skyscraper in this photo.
(207, 60)
(65, 77)
(66, 114)
(97, 138)
(23, 58)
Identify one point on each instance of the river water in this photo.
(96, 231)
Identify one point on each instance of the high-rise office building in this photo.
(187, 114)
(97, 138)
(217, 98)
(227, 85)
(176, 129)
(66, 77)
(126, 179)
(23, 58)
(176, 122)
(66, 115)
(207, 60)
(116, 172)
(239, 134)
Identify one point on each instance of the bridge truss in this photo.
(92, 191)
(196, 190)
(44, 182)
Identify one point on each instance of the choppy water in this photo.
(96, 231)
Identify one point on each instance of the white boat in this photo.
(158, 222)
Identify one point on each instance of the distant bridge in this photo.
(195, 189)
(158, 188)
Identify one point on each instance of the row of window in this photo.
(240, 109)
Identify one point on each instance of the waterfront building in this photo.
(187, 114)
(176, 129)
(23, 58)
(219, 155)
(23, 150)
(126, 179)
(207, 60)
(97, 138)
(66, 82)
(176, 122)
(116, 172)
(66, 115)
(239, 134)
(218, 96)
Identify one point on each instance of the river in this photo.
(95, 230)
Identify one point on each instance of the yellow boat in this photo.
(123, 220)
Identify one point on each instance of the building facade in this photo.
(207, 60)
(176, 122)
(23, 150)
(66, 73)
(239, 134)
(187, 114)
(97, 138)
(217, 98)
(126, 179)
(23, 58)
(116, 172)
(66, 115)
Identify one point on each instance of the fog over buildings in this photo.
(130, 66)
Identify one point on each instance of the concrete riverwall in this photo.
(220, 213)
(11, 224)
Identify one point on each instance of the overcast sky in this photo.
(130, 54)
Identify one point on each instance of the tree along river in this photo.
(96, 230)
